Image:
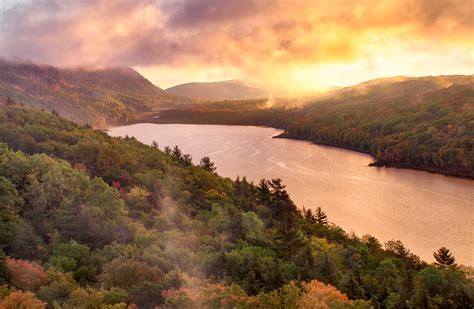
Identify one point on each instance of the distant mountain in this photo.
(219, 91)
(381, 89)
(99, 97)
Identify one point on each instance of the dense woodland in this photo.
(425, 123)
(91, 221)
(99, 97)
(414, 123)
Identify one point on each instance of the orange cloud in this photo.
(293, 43)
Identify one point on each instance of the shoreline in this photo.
(293, 137)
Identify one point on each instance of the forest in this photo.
(410, 124)
(92, 221)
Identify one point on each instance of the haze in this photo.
(299, 47)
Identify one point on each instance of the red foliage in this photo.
(26, 275)
(118, 186)
(320, 295)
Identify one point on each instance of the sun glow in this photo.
(297, 48)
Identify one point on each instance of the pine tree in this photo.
(443, 257)
(320, 216)
(177, 152)
(154, 144)
(308, 214)
(187, 160)
(207, 164)
(283, 209)
(263, 190)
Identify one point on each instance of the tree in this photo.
(283, 209)
(187, 160)
(10, 101)
(8, 201)
(371, 242)
(443, 257)
(20, 300)
(263, 190)
(154, 144)
(207, 164)
(308, 214)
(85, 298)
(176, 152)
(320, 216)
(26, 275)
(397, 248)
(127, 273)
(5, 274)
(138, 199)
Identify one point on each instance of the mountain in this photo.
(100, 97)
(219, 91)
(380, 89)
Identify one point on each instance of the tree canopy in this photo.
(91, 220)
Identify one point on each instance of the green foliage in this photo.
(416, 123)
(5, 274)
(207, 164)
(116, 222)
(97, 97)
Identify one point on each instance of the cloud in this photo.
(262, 39)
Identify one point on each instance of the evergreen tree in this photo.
(187, 160)
(320, 216)
(154, 144)
(244, 194)
(168, 150)
(308, 214)
(283, 209)
(443, 257)
(176, 152)
(263, 189)
(207, 164)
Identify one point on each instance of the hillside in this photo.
(219, 91)
(424, 123)
(110, 222)
(99, 97)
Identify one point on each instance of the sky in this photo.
(294, 46)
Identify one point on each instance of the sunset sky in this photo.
(299, 45)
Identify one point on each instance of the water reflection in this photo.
(426, 211)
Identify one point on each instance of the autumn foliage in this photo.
(320, 295)
(309, 295)
(21, 300)
(26, 275)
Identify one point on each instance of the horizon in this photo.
(158, 84)
(299, 48)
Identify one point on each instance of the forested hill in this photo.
(221, 90)
(92, 221)
(99, 97)
(425, 123)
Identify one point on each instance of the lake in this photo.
(425, 211)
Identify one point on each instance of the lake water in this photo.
(425, 211)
